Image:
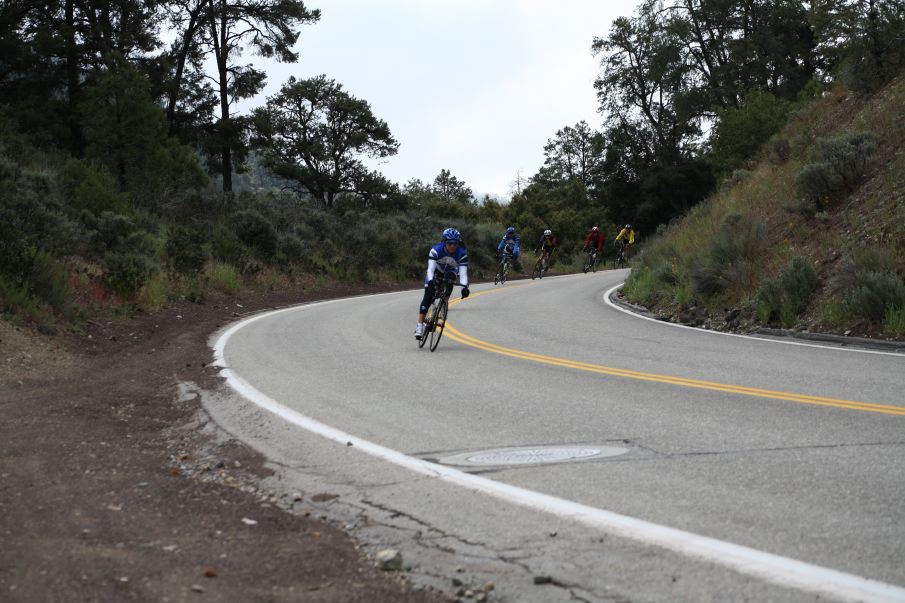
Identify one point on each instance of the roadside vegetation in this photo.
(129, 180)
(809, 236)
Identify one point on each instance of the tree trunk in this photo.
(77, 144)
(222, 53)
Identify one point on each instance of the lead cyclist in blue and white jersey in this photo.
(451, 247)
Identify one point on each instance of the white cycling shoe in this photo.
(419, 330)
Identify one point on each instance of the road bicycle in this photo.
(503, 269)
(445, 280)
(620, 260)
(591, 261)
(540, 266)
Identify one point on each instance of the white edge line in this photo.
(779, 570)
(606, 298)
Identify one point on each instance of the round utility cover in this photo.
(534, 455)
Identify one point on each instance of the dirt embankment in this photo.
(97, 504)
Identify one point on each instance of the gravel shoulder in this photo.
(105, 475)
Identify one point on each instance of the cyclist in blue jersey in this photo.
(451, 246)
(511, 237)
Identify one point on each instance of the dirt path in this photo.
(102, 489)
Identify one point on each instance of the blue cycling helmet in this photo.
(451, 235)
(510, 230)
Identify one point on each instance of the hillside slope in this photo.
(812, 237)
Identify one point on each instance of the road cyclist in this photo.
(508, 252)
(627, 238)
(544, 251)
(593, 245)
(447, 261)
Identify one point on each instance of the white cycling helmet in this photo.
(548, 232)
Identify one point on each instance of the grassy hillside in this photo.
(811, 236)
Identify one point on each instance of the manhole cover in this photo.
(532, 456)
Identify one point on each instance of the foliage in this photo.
(840, 164)
(127, 272)
(184, 250)
(223, 277)
(740, 131)
(256, 231)
(728, 258)
(875, 294)
(787, 296)
(88, 187)
(449, 188)
(312, 132)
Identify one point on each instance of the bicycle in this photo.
(620, 260)
(503, 269)
(591, 262)
(435, 320)
(539, 267)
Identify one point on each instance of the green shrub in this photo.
(256, 231)
(875, 294)
(642, 287)
(787, 296)
(86, 186)
(839, 167)
(727, 260)
(223, 277)
(225, 246)
(185, 250)
(291, 249)
(779, 150)
(107, 231)
(802, 206)
(894, 321)
(49, 282)
(154, 294)
(768, 300)
(127, 272)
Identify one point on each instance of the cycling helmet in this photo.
(451, 235)
(548, 232)
(510, 230)
(628, 225)
(595, 229)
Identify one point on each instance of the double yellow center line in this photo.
(463, 338)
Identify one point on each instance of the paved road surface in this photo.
(790, 450)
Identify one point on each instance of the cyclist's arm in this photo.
(431, 269)
(463, 275)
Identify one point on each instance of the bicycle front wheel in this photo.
(439, 323)
(537, 272)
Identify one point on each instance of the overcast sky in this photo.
(473, 86)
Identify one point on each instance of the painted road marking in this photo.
(463, 338)
(776, 569)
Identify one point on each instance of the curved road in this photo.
(796, 451)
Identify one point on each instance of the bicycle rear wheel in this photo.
(439, 323)
(430, 322)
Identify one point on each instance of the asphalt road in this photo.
(795, 451)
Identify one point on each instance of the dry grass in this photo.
(873, 215)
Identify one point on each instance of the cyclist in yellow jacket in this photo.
(627, 236)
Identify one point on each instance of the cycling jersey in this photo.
(595, 236)
(628, 234)
(438, 252)
(507, 238)
(547, 244)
